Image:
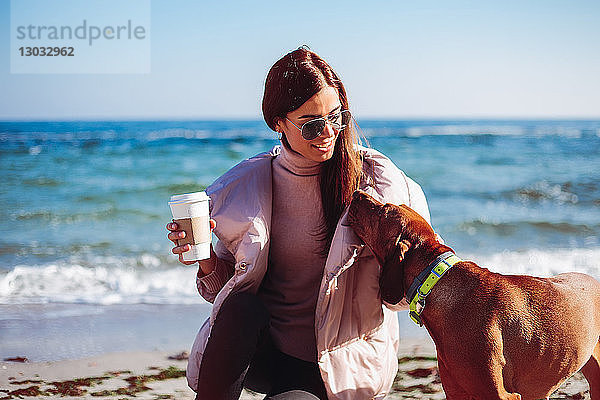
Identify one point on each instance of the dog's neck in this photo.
(419, 257)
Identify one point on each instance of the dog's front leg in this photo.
(472, 380)
(451, 387)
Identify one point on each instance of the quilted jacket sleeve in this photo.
(209, 285)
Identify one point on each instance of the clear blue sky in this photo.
(399, 59)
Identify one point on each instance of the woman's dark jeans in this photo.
(240, 353)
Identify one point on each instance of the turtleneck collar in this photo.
(297, 163)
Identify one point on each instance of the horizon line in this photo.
(259, 118)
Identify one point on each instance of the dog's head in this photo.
(390, 231)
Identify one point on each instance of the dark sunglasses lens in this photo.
(345, 118)
(313, 129)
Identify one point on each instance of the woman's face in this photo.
(323, 103)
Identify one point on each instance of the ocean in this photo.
(83, 209)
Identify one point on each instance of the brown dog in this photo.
(497, 336)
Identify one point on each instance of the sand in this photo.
(161, 375)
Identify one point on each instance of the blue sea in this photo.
(83, 209)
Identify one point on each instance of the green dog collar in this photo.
(426, 280)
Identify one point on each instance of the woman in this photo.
(296, 294)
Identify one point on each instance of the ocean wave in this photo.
(586, 192)
(42, 181)
(479, 129)
(41, 249)
(179, 187)
(512, 228)
(466, 130)
(546, 191)
(116, 282)
(149, 279)
(542, 263)
(90, 135)
(54, 217)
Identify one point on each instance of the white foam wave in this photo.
(66, 282)
(148, 279)
(493, 128)
(541, 263)
(466, 129)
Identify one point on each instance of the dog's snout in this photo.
(356, 205)
(360, 200)
(359, 195)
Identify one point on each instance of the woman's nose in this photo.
(328, 131)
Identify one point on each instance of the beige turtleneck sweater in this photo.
(291, 285)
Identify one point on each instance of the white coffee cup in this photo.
(190, 211)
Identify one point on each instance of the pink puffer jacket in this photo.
(357, 337)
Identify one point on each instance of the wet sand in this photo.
(161, 375)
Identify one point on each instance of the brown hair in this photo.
(291, 81)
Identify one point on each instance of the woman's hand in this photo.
(208, 265)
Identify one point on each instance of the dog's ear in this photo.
(391, 282)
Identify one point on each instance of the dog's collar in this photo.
(425, 281)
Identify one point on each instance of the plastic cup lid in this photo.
(189, 197)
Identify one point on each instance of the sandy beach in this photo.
(161, 375)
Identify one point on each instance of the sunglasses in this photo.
(314, 128)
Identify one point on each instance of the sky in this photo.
(397, 59)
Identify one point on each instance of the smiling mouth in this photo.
(324, 146)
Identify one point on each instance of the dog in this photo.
(496, 336)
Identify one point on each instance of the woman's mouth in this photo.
(324, 147)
